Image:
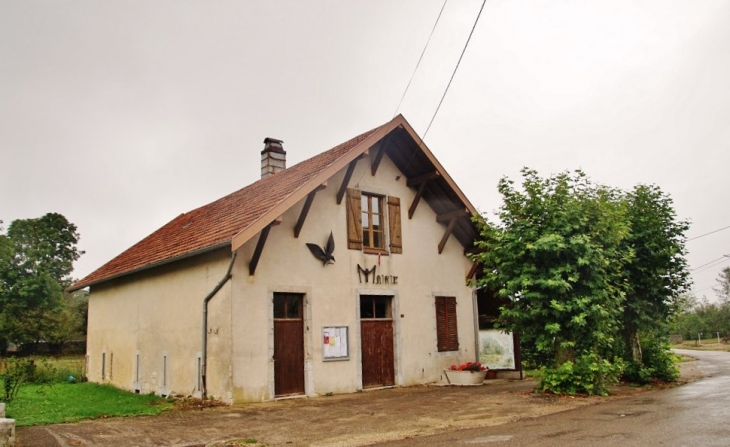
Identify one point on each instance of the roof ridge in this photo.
(190, 232)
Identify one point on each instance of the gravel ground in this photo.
(346, 420)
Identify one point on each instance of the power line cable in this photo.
(707, 234)
(420, 58)
(422, 138)
(455, 68)
(723, 258)
(412, 75)
(709, 267)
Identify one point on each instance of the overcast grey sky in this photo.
(121, 115)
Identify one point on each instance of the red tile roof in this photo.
(215, 224)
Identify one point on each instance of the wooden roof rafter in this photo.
(379, 155)
(260, 246)
(472, 270)
(450, 217)
(240, 217)
(421, 181)
(305, 209)
(353, 154)
(348, 176)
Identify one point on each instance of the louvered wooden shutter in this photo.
(447, 335)
(354, 220)
(396, 236)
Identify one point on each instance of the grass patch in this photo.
(66, 402)
(707, 345)
(67, 366)
(681, 358)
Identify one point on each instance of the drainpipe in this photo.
(204, 355)
(475, 315)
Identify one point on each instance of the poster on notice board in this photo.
(335, 343)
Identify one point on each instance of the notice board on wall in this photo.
(335, 343)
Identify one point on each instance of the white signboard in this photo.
(496, 349)
(334, 343)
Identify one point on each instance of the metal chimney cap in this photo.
(273, 145)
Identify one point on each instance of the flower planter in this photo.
(491, 374)
(465, 377)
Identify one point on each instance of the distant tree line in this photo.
(36, 261)
(703, 317)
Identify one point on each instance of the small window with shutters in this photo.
(368, 216)
(372, 217)
(447, 335)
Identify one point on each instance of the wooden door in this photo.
(376, 338)
(288, 344)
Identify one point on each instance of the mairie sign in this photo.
(371, 276)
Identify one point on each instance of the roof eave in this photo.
(200, 251)
(445, 175)
(300, 193)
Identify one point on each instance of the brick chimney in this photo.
(273, 157)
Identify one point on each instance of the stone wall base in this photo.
(508, 374)
(7, 432)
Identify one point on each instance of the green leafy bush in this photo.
(15, 373)
(658, 357)
(658, 363)
(588, 374)
(18, 371)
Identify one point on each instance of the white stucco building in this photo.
(228, 300)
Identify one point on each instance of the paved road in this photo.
(697, 414)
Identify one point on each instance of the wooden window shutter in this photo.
(453, 334)
(446, 327)
(354, 220)
(441, 330)
(396, 236)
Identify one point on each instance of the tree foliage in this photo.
(657, 274)
(723, 285)
(579, 262)
(557, 256)
(36, 261)
(702, 317)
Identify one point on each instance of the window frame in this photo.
(380, 306)
(368, 230)
(282, 302)
(391, 226)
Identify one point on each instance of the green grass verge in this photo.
(706, 345)
(66, 402)
(72, 365)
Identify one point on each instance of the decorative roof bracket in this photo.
(305, 209)
(421, 181)
(260, 246)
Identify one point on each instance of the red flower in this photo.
(469, 366)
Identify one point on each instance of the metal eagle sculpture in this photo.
(324, 255)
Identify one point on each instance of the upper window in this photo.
(288, 306)
(373, 233)
(368, 216)
(374, 306)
